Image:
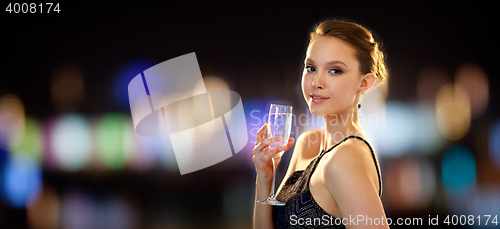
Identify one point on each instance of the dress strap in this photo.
(373, 156)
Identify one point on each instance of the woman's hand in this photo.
(263, 217)
(262, 154)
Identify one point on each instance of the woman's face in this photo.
(331, 77)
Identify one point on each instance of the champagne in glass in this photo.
(280, 124)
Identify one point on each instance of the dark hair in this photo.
(368, 53)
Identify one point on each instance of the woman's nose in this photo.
(318, 82)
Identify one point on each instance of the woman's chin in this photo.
(316, 112)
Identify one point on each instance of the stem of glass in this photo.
(274, 177)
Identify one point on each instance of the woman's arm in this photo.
(350, 180)
(262, 213)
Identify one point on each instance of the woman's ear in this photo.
(367, 82)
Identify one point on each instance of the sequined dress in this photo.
(300, 206)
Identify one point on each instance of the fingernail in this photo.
(281, 147)
(278, 138)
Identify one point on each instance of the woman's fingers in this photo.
(290, 143)
(269, 152)
(287, 146)
(264, 143)
(261, 158)
(261, 134)
(262, 153)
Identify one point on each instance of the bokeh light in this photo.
(372, 113)
(114, 212)
(49, 160)
(475, 82)
(399, 129)
(215, 83)
(30, 144)
(256, 113)
(383, 89)
(152, 152)
(494, 143)
(71, 142)
(409, 183)
(453, 111)
(67, 87)
(485, 201)
(78, 210)
(65, 112)
(82, 210)
(22, 181)
(167, 155)
(44, 212)
(3, 157)
(458, 172)
(123, 76)
(114, 140)
(427, 139)
(12, 120)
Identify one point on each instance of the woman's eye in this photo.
(335, 71)
(310, 69)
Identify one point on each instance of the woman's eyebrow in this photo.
(329, 63)
(336, 62)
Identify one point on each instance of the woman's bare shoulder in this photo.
(307, 147)
(351, 161)
(352, 152)
(308, 143)
(351, 178)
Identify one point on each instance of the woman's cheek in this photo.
(305, 89)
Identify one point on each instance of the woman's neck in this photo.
(340, 126)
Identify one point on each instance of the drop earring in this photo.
(359, 104)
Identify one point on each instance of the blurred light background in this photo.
(69, 156)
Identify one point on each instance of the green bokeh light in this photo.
(114, 140)
(30, 144)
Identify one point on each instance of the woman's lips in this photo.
(318, 98)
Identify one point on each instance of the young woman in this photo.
(333, 179)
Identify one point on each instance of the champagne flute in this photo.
(280, 124)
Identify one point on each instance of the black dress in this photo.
(301, 210)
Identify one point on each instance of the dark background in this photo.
(257, 48)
